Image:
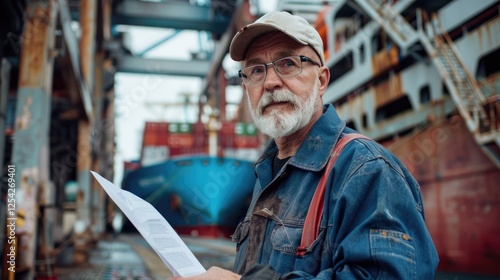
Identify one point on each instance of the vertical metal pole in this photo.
(213, 121)
(4, 93)
(98, 133)
(106, 126)
(221, 93)
(30, 156)
(88, 17)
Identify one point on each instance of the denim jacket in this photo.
(372, 225)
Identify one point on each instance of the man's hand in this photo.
(213, 273)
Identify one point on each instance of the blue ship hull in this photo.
(197, 194)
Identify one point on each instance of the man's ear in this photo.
(324, 79)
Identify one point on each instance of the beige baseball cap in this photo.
(295, 27)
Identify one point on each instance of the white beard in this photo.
(277, 123)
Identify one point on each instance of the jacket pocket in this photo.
(241, 232)
(391, 246)
(286, 238)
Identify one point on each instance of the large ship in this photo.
(422, 78)
(200, 192)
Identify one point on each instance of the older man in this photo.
(372, 222)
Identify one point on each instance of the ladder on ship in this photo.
(478, 112)
(395, 25)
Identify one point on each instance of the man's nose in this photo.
(272, 80)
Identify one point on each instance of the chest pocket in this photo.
(286, 237)
(241, 232)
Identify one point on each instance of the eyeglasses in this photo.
(285, 67)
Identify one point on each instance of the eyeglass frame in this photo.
(302, 58)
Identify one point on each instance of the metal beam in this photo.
(88, 19)
(30, 155)
(74, 56)
(4, 93)
(172, 14)
(160, 42)
(240, 18)
(98, 199)
(192, 68)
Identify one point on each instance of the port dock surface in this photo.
(129, 256)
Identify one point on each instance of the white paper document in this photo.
(155, 229)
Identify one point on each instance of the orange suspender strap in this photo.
(311, 224)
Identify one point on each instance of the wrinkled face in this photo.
(281, 106)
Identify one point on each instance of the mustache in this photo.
(280, 95)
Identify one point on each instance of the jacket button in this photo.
(384, 233)
(406, 237)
